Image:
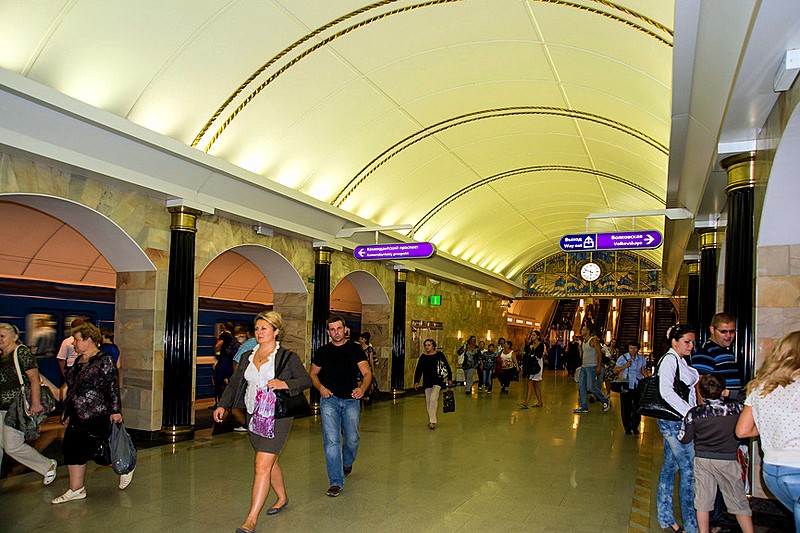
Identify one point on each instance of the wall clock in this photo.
(590, 271)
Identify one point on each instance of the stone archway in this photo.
(135, 308)
(289, 293)
(375, 318)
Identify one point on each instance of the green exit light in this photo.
(436, 299)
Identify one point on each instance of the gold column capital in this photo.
(694, 268)
(184, 218)
(711, 238)
(323, 255)
(744, 171)
(401, 276)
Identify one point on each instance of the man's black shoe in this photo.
(334, 491)
(348, 470)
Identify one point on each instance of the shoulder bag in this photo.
(650, 401)
(286, 405)
(19, 414)
(448, 401)
(619, 384)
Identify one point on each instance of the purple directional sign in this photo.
(406, 250)
(618, 240)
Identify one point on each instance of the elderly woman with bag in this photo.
(677, 382)
(91, 406)
(261, 373)
(18, 363)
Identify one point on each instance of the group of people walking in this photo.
(92, 404)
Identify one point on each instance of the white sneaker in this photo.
(69, 496)
(51, 473)
(125, 479)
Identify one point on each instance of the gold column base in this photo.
(177, 433)
(396, 393)
(315, 409)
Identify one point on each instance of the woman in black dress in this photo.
(434, 370)
(251, 383)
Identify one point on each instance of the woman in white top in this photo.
(772, 410)
(507, 367)
(249, 388)
(677, 456)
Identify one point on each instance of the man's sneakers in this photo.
(347, 470)
(580, 411)
(606, 406)
(241, 429)
(334, 491)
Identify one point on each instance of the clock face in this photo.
(590, 271)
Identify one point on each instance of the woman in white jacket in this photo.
(677, 456)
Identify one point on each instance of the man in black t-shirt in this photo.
(334, 373)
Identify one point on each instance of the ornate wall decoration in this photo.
(622, 274)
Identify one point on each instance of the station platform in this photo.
(489, 466)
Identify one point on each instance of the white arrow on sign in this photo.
(361, 252)
(649, 239)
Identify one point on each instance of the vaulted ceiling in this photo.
(493, 127)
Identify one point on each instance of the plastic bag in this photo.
(123, 452)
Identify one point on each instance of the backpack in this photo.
(233, 347)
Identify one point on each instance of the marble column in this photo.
(693, 294)
(399, 332)
(710, 244)
(179, 330)
(322, 308)
(739, 289)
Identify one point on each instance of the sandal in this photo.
(431, 426)
(69, 496)
(51, 473)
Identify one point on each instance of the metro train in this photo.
(43, 312)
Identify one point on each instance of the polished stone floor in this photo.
(490, 466)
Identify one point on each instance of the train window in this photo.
(71, 317)
(41, 334)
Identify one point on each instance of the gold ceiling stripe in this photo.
(615, 18)
(525, 170)
(636, 15)
(460, 120)
(306, 53)
(285, 51)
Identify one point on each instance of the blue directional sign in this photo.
(405, 250)
(619, 240)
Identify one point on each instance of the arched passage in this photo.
(361, 293)
(261, 275)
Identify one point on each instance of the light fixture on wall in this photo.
(787, 71)
(645, 338)
(488, 335)
(608, 336)
(478, 304)
(614, 303)
(647, 302)
(459, 335)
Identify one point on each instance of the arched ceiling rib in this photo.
(493, 126)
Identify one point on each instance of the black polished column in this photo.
(710, 244)
(399, 333)
(693, 294)
(322, 309)
(739, 256)
(176, 419)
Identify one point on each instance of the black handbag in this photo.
(286, 405)
(448, 401)
(650, 401)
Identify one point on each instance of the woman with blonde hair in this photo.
(261, 371)
(772, 411)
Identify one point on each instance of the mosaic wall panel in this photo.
(623, 273)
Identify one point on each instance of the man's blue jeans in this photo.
(784, 483)
(588, 383)
(339, 435)
(677, 456)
